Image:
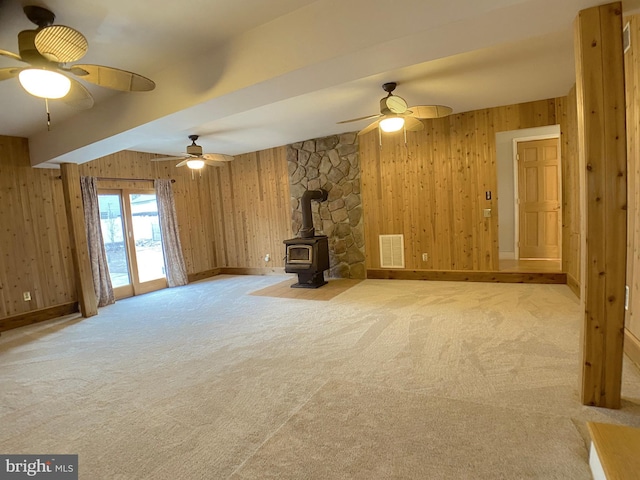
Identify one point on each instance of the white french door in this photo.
(131, 236)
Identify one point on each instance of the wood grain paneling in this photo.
(229, 216)
(602, 151)
(233, 215)
(74, 209)
(253, 210)
(571, 243)
(193, 194)
(632, 347)
(432, 189)
(34, 238)
(632, 82)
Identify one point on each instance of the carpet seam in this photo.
(272, 434)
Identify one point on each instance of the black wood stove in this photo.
(308, 255)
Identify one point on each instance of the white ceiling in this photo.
(254, 74)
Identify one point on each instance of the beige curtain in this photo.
(97, 255)
(173, 259)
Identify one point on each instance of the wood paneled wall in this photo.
(229, 216)
(433, 189)
(571, 244)
(632, 80)
(252, 209)
(193, 197)
(34, 239)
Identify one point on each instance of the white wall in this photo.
(506, 181)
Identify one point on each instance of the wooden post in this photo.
(78, 239)
(603, 165)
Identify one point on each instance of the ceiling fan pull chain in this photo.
(46, 104)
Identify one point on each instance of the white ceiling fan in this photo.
(395, 114)
(195, 159)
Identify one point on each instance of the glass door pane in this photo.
(114, 239)
(146, 233)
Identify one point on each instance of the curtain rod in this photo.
(127, 179)
(132, 179)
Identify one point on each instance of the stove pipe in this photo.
(307, 230)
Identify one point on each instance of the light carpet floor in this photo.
(389, 379)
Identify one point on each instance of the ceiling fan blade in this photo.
(215, 163)
(368, 128)
(183, 163)
(9, 72)
(61, 44)
(361, 118)
(217, 157)
(429, 111)
(412, 124)
(163, 159)
(113, 78)
(78, 96)
(15, 56)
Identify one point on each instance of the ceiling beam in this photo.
(324, 44)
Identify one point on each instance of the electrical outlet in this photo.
(425, 257)
(26, 296)
(267, 257)
(486, 212)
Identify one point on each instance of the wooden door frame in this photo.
(516, 193)
(124, 291)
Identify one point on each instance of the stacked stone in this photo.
(331, 163)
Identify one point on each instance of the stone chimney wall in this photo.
(331, 163)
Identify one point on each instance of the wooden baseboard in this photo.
(252, 271)
(36, 316)
(632, 347)
(574, 285)
(467, 276)
(194, 277)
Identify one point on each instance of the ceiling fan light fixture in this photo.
(44, 83)
(195, 164)
(391, 124)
